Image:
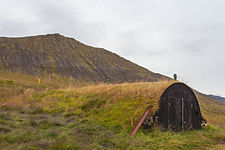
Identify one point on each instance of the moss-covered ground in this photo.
(58, 115)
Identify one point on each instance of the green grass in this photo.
(94, 117)
(59, 132)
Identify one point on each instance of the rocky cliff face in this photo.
(53, 53)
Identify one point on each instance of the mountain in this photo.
(66, 116)
(45, 55)
(217, 97)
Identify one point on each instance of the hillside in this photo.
(60, 115)
(65, 111)
(46, 55)
(217, 97)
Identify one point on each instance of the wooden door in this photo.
(175, 114)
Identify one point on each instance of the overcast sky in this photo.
(186, 37)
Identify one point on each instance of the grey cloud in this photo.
(186, 37)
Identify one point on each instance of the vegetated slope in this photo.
(50, 116)
(45, 55)
(213, 109)
(217, 97)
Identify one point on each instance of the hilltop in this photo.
(46, 55)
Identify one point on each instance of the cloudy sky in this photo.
(186, 37)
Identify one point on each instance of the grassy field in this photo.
(58, 115)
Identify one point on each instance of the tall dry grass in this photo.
(128, 99)
(147, 91)
(127, 90)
